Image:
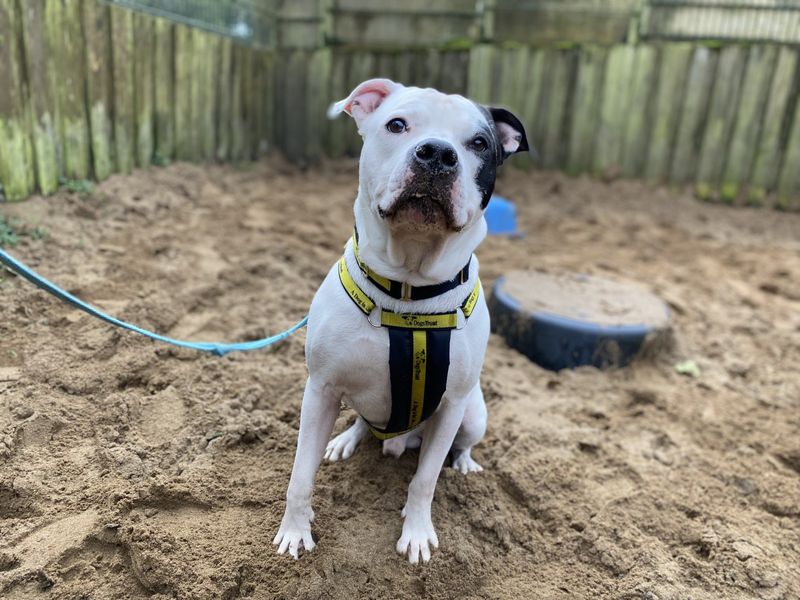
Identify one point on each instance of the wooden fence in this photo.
(87, 90)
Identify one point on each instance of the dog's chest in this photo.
(350, 358)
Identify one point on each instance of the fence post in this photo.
(615, 98)
(96, 23)
(789, 180)
(747, 121)
(487, 17)
(124, 108)
(185, 144)
(769, 153)
(143, 73)
(16, 152)
(675, 61)
(43, 111)
(70, 91)
(719, 122)
(164, 91)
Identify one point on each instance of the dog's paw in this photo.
(394, 446)
(342, 446)
(418, 538)
(462, 461)
(295, 533)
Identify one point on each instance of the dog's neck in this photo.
(417, 258)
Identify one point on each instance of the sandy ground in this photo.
(129, 469)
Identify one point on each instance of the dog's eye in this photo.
(479, 144)
(397, 125)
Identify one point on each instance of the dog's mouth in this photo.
(422, 208)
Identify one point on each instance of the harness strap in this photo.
(401, 290)
(419, 355)
(447, 320)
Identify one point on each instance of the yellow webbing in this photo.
(448, 320)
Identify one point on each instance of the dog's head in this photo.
(429, 159)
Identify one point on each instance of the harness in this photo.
(419, 343)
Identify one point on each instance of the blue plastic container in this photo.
(556, 342)
(501, 216)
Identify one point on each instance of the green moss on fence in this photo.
(16, 160)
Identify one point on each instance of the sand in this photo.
(130, 469)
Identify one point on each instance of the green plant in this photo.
(728, 192)
(8, 234)
(12, 230)
(159, 160)
(756, 196)
(704, 192)
(83, 187)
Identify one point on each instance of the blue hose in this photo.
(215, 348)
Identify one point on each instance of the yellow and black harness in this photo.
(419, 344)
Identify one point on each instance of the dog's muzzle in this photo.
(426, 200)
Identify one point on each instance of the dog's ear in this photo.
(510, 132)
(364, 100)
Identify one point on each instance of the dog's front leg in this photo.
(317, 416)
(418, 532)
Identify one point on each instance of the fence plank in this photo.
(362, 67)
(695, 105)
(164, 73)
(266, 101)
(316, 89)
(16, 152)
(185, 147)
(512, 90)
(669, 96)
(454, 72)
(721, 113)
(70, 91)
(585, 111)
(404, 65)
(144, 44)
(197, 96)
(479, 77)
(559, 64)
(532, 113)
(509, 93)
(249, 103)
(640, 111)
(788, 192)
(37, 19)
(614, 109)
(768, 153)
(96, 26)
(428, 67)
(224, 108)
(124, 106)
(336, 131)
(203, 95)
(295, 99)
(237, 108)
(747, 122)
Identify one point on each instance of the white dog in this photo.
(399, 327)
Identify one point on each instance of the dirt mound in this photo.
(130, 469)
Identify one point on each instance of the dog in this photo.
(399, 327)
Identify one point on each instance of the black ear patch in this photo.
(510, 133)
(506, 133)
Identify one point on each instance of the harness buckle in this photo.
(374, 317)
(461, 318)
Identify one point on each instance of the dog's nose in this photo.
(436, 156)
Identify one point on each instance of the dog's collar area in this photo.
(401, 290)
(380, 317)
(419, 354)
